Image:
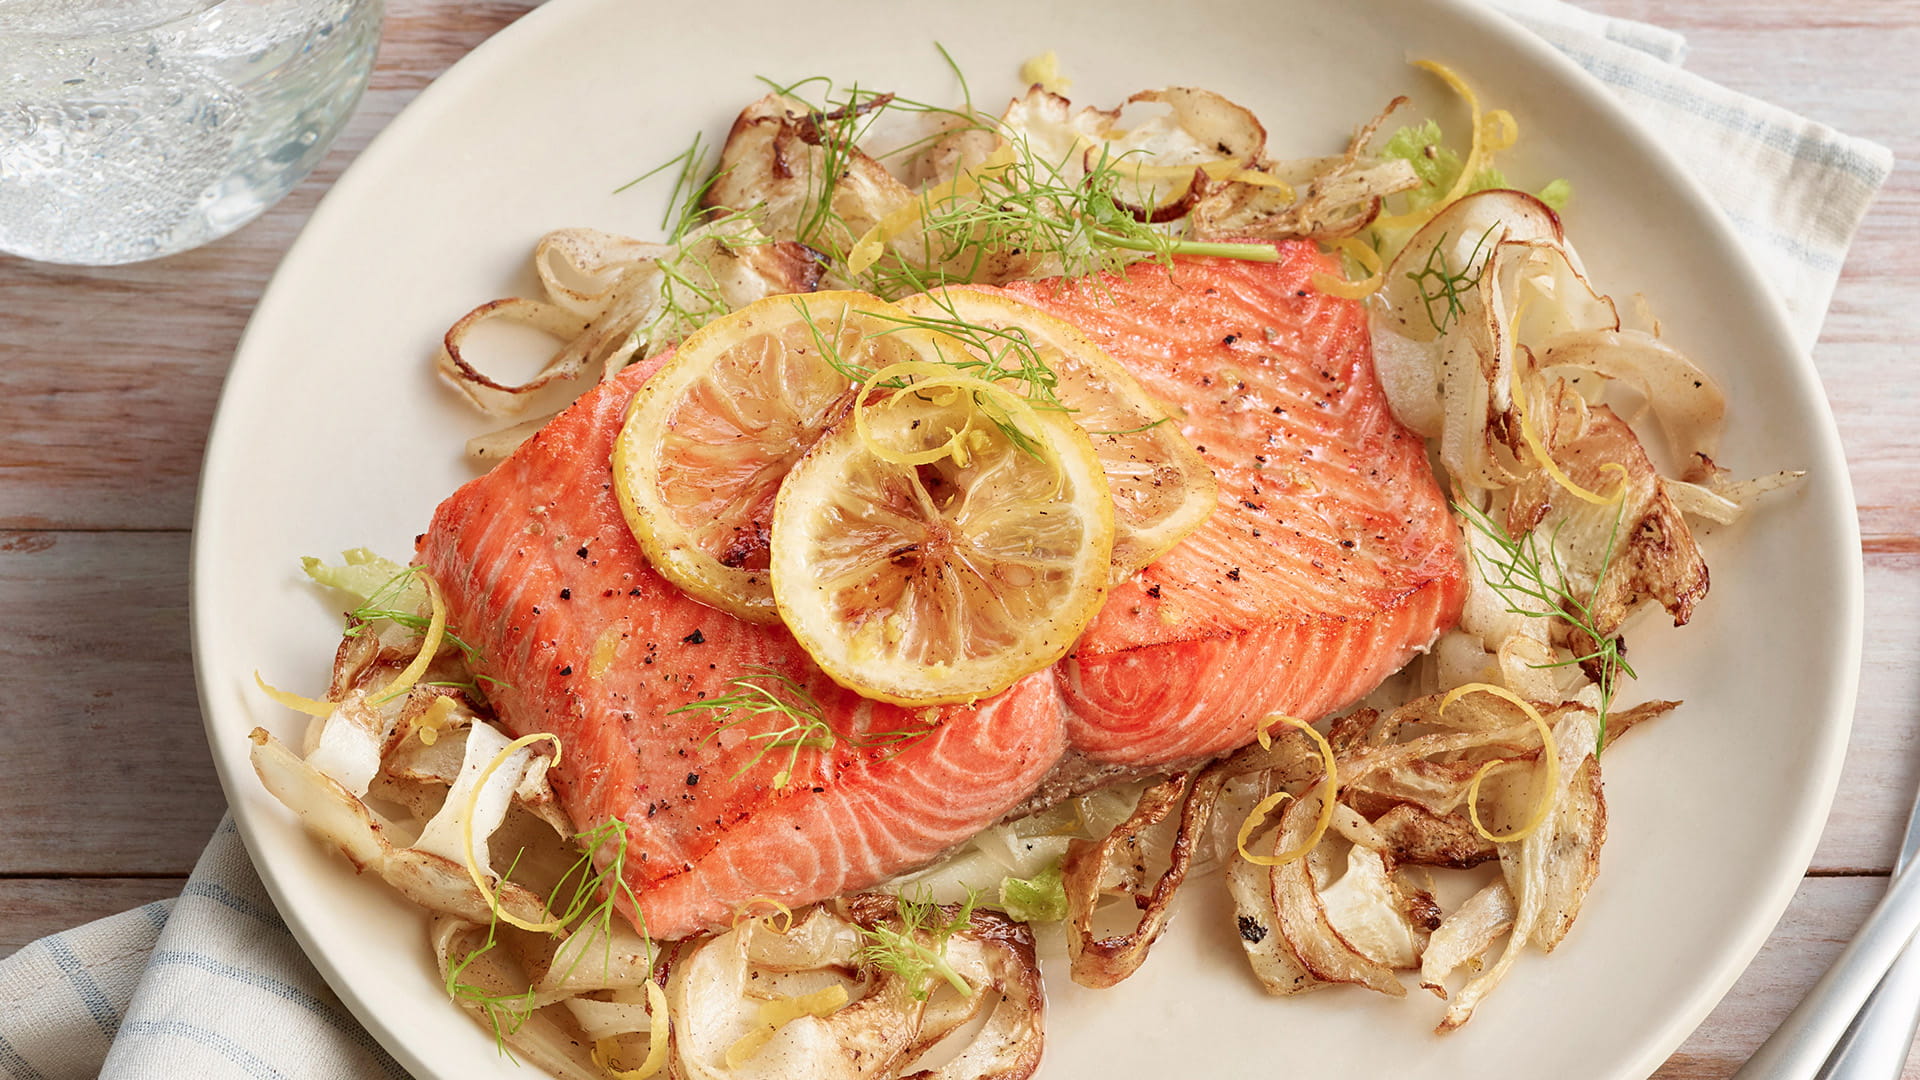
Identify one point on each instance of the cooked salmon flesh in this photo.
(1329, 561)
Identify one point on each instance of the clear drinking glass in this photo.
(132, 129)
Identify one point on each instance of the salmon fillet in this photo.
(1330, 557)
(541, 575)
(1330, 560)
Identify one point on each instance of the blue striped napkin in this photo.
(213, 985)
(1794, 190)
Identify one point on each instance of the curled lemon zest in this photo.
(1481, 149)
(931, 378)
(1369, 261)
(1552, 467)
(307, 705)
(1254, 818)
(429, 645)
(466, 833)
(1500, 130)
(780, 1012)
(437, 718)
(1044, 71)
(1228, 169)
(873, 243)
(604, 1050)
(1329, 788)
(1362, 289)
(780, 911)
(1549, 754)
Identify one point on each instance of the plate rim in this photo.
(1792, 852)
(1760, 920)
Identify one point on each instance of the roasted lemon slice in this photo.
(943, 541)
(711, 435)
(1162, 490)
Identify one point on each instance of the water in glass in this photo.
(131, 129)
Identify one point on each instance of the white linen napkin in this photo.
(216, 987)
(1794, 190)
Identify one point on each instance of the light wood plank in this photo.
(112, 373)
(1882, 770)
(105, 770)
(1824, 914)
(34, 907)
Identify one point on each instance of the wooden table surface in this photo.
(108, 380)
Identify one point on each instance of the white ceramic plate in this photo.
(334, 433)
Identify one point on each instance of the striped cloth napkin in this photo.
(1794, 190)
(213, 985)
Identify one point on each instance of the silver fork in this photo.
(1877, 1043)
(1858, 1021)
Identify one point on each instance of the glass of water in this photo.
(132, 129)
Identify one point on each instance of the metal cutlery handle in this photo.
(1876, 1045)
(1801, 1045)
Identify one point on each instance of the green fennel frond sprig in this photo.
(584, 900)
(1030, 206)
(917, 951)
(380, 606)
(1439, 284)
(1522, 572)
(992, 354)
(1045, 210)
(795, 721)
(505, 1012)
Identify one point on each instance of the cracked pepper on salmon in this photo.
(1329, 561)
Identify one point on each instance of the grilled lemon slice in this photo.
(1162, 489)
(711, 435)
(942, 541)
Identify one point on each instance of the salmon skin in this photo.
(1329, 561)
